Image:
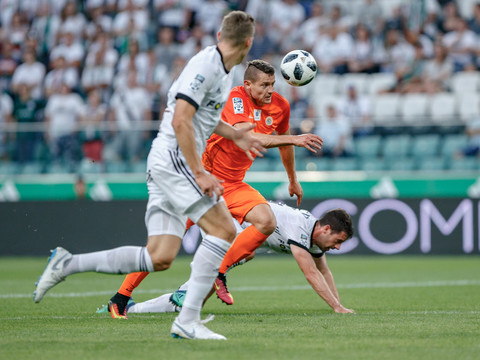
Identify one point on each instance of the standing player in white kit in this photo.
(178, 185)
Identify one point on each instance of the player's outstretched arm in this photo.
(242, 137)
(316, 280)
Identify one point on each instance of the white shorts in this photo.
(173, 194)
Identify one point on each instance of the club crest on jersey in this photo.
(269, 121)
(257, 114)
(197, 82)
(237, 105)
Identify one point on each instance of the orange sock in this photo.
(131, 281)
(245, 244)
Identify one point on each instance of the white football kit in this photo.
(294, 227)
(174, 195)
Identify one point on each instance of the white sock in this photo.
(121, 260)
(206, 262)
(160, 304)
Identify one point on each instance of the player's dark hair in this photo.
(237, 27)
(339, 221)
(254, 66)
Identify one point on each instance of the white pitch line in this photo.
(382, 285)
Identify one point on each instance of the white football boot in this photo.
(194, 330)
(53, 273)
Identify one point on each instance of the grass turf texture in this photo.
(407, 308)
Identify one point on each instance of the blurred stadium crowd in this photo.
(83, 83)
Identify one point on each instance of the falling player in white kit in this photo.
(178, 185)
(299, 233)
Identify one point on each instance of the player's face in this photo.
(261, 90)
(326, 240)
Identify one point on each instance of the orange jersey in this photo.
(222, 157)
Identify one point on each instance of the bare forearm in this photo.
(287, 154)
(331, 284)
(321, 287)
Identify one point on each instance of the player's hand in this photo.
(245, 141)
(294, 188)
(310, 142)
(343, 310)
(209, 184)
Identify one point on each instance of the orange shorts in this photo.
(240, 199)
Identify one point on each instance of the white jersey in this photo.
(294, 227)
(205, 84)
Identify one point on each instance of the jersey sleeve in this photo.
(236, 109)
(194, 82)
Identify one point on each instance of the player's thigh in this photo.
(165, 231)
(262, 217)
(163, 249)
(241, 198)
(218, 222)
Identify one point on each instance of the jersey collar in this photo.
(221, 59)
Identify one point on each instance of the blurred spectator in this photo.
(130, 107)
(336, 133)
(448, 20)
(59, 75)
(369, 14)
(437, 72)
(172, 13)
(409, 79)
(166, 49)
(130, 23)
(6, 108)
(72, 22)
(8, 64)
(26, 111)
(99, 68)
(338, 19)
(156, 80)
(285, 18)
(92, 127)
(17, 31)
(300, 107)
(63, 113)
(133, 60)
(363, 58)
(356, 109)
(72, 51)
(99, 23)
(31, 73)
(332, 51)
(474, 22)
(397, 53)
(309, 29)
(209, 14)
(45, 28)
(461, 45)
(198, 40)
(262, 44)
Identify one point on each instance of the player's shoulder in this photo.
(279, 100)
(207, 61)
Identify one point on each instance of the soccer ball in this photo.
(298, 67)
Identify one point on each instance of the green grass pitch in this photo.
(407, 308)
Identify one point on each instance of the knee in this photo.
(161, 263)
(266, 225)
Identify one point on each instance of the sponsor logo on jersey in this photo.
(197, 82)
(215, 105)
(237, 105)
(257, 114)
(269, 121)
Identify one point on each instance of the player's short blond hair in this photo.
(237, 27)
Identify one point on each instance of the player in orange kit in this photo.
(254, 102)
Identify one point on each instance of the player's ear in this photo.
(218, 35)
(249, 42)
